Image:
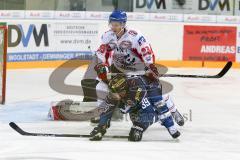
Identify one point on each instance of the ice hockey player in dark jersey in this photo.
(142, 99)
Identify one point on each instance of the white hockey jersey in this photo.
(130, 54)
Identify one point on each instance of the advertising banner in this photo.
(12, 14)
(209, 43)
(28, 41)
(237, 7)
(228, 19)
(39, 14)
(194, 18)
(164, 6)
(238, 45)
(164, 17)
(216, 7)
(69, 15)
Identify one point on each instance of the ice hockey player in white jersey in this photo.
(126, 51)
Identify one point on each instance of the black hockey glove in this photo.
(152, 72)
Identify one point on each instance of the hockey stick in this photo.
(24, 133)
(219, 75)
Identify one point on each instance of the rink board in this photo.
(172, 37)
(55, 64)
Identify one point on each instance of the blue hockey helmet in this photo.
(118, 16)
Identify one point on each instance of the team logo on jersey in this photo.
(132, 32)
(125, 45)
(141, 40)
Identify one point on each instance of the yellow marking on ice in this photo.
(75, 63)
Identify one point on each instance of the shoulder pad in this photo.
(106, 36)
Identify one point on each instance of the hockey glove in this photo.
(102, 71)
(152, 72)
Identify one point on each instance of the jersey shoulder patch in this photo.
(141, 40)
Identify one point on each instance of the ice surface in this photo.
(212, 133)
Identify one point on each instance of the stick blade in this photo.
(225, 69)
(17, 129)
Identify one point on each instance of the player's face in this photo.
(116, 27)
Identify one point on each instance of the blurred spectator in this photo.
(77, 5)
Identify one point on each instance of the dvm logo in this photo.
(212, 4)
(149, 3)
(24, 37)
